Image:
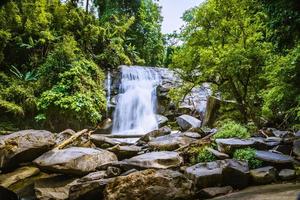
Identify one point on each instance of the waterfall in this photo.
(136, 102)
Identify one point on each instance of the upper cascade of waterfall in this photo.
(136, 102)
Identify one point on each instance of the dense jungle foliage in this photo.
(54, 54)
(249, 51)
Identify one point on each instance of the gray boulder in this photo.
(75, 160)
(231, 144)
(215, 191)
(287, 174)
(149, 185)
(161, 120)
(186, 122)
(170, 142)
(218, 173)
(24, 146)
(274, 158)
(263, 175)
(103, 142)
(154, 134)
(124, 152)
(156, 160)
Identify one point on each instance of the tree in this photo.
(224, 45)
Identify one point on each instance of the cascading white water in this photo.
(136, 102)
(108, 93)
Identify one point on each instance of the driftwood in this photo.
(71, 139)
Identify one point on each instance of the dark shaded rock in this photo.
(56, 187)
(11, 178)
(103, 142)
(296, 147)
(297, 134)
(220, 172)
(194, 135)
(88, 189)
(170, 142)
(275, 158)
(154, 134)
(75, 160)
(112, 171)
(105, 127)
(231, 144)
(24, 146)
(186, 122)
(161, 120)
(263, 175)
(218, 154)
(6, 194)
(263, 143)
(287, 174)
(214, 191)
(157, 160)
(149, 185)
(281, 134)
(124, 152)
(283, 148)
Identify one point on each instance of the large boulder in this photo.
(274, 158)
(55, 187)
(218, 173)
(9, 179)
(154, 134)
(161, 120)
(170, 142)
(287, 174)
(24, 146)
(231, 144)
(186, 122)
(124, 152)
(148, 185)
(75, 160)
(103, 142)
(263, 175)
(156, 160)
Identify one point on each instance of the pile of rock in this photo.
(40, 165)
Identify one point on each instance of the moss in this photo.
(248, 155)
(200, 154)
(231, 129)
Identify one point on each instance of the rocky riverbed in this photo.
(38, 164)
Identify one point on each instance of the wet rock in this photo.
(124, 152)
(205, 174)
(287, 174)
(148, 185)
(105, 127)
(156, 160)
(263, 143)
(214, 191)
(263, 175)
(296, 147)
(7, 194)
(161, 120)
(218, 154)
(9, 179)
(60, 137)
(285, 149)
(170, 142)
(75, 160)
(194, 135)
(88, 189)
(186, 122)
(275, 158)
(231, 144)
(24, 146)
(103, 142)
(154, 134)
(56, 187)
(220, 172)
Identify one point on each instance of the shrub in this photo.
(248, 155)
(201, 154)
(232, 129)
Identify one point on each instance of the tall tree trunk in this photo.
(87, 6)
